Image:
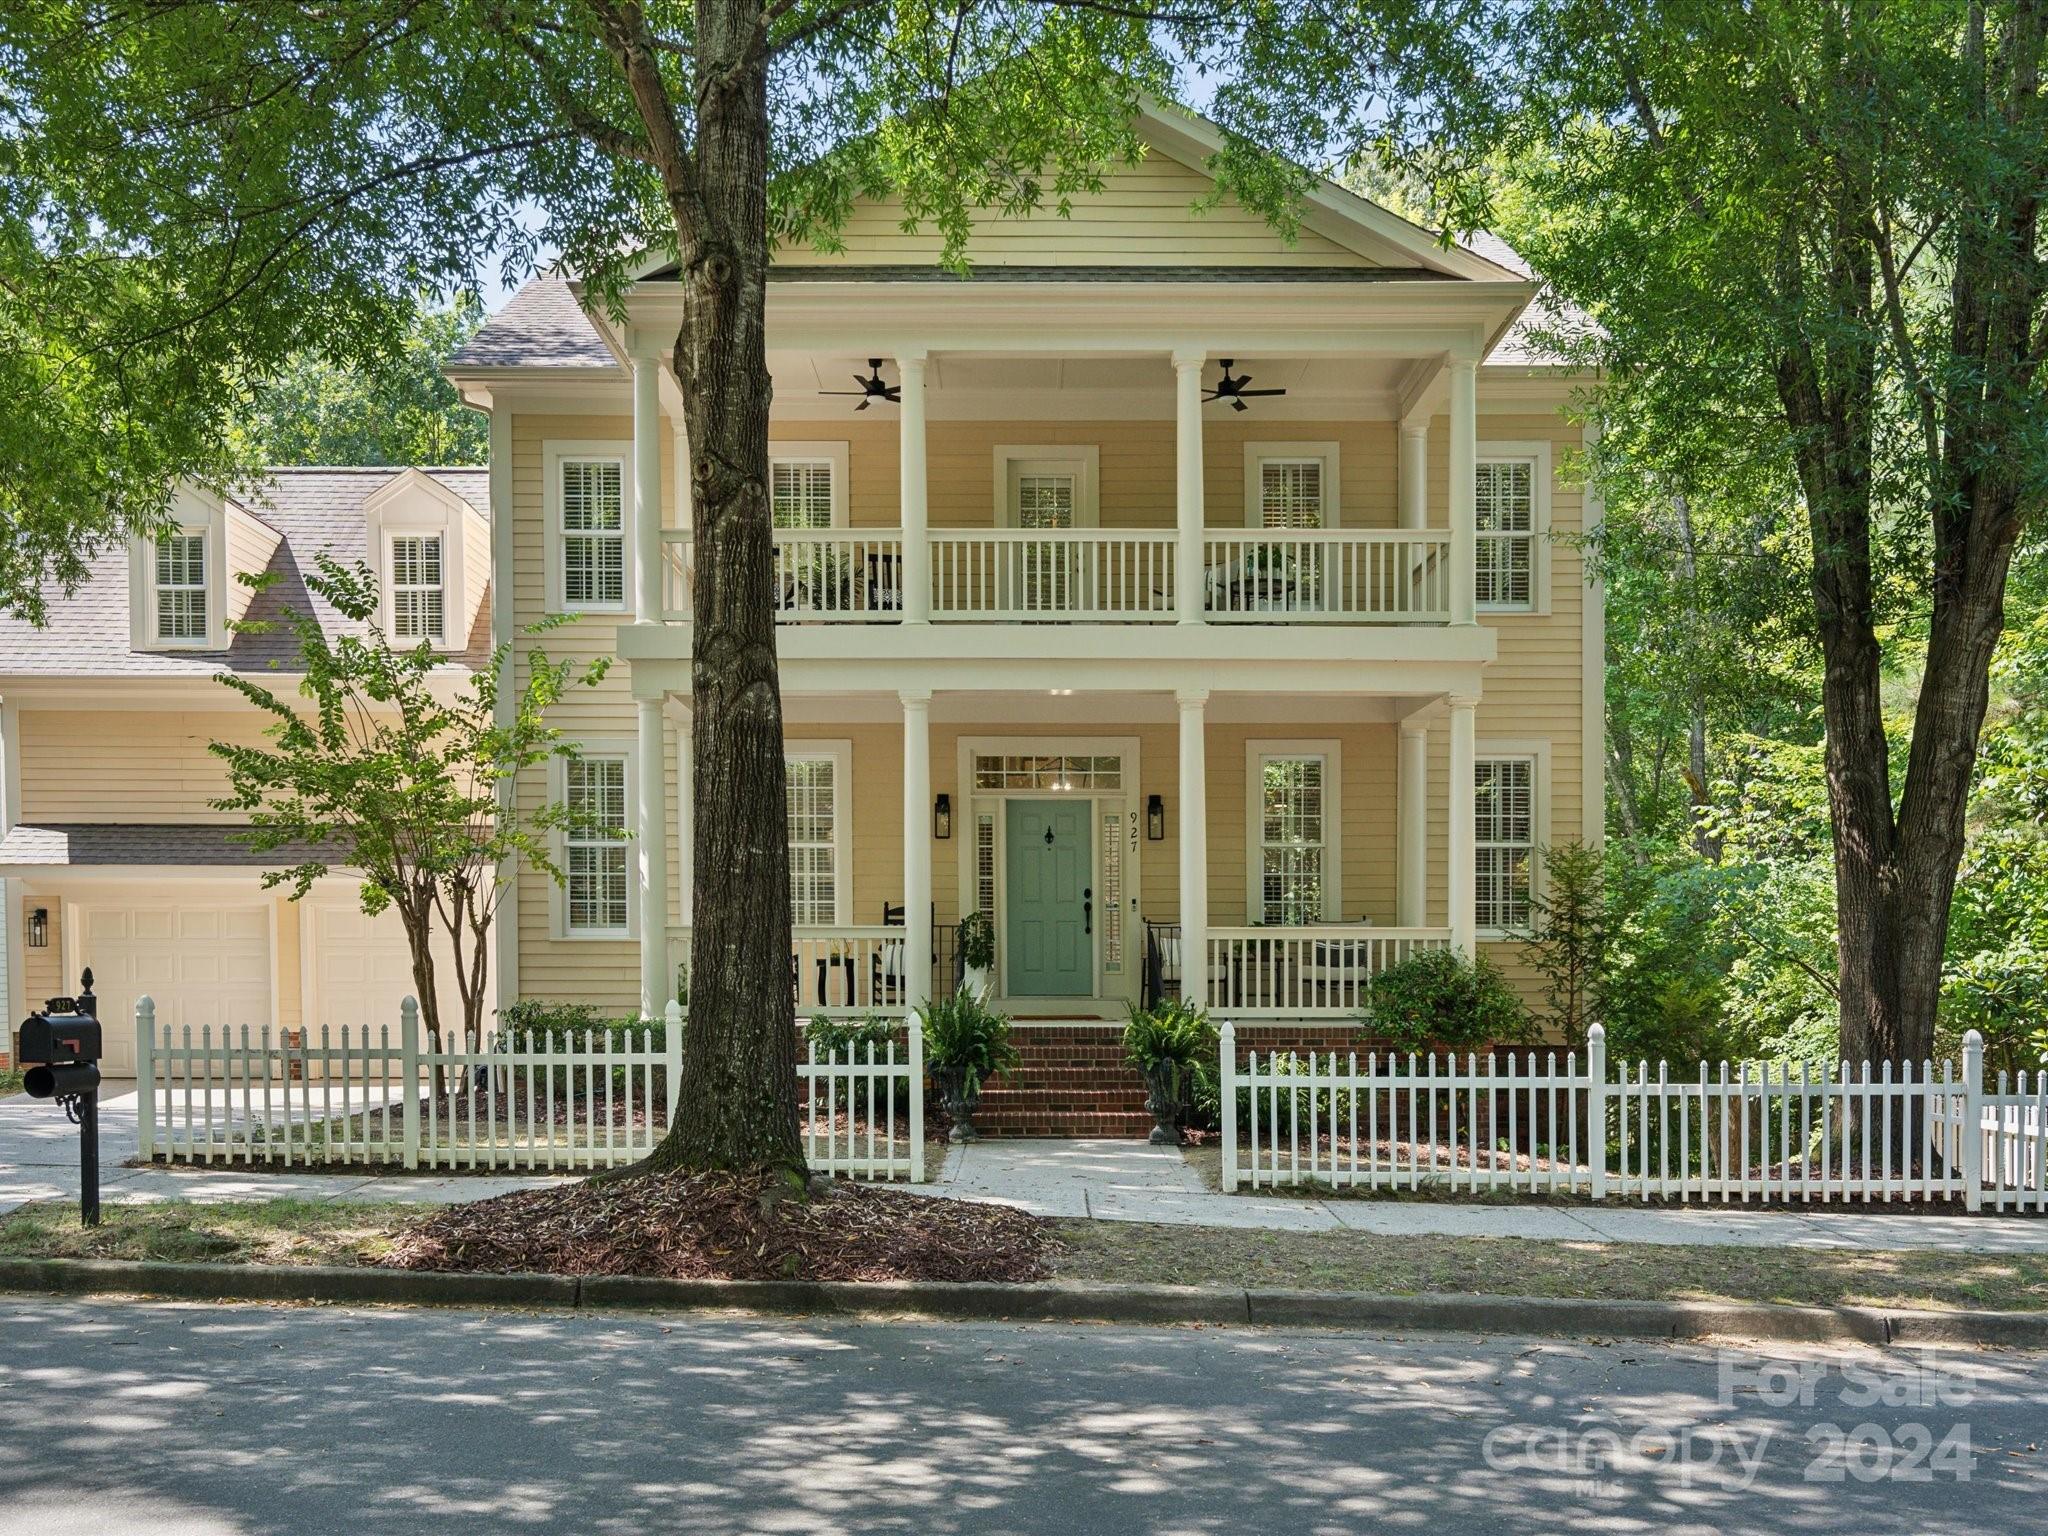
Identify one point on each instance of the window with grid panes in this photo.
(181, 587)
(1504, 840)
(1293, 839)
(416, 590)
(800, 492)
(594, 848)
(1291, 493)
(593, 533)
(813, 797)
(1505, 533)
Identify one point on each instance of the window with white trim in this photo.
(597, 891)
(800, 492)
(813, 793)
(180, 588)
(1505, 533)
(1294, 844)
(1291, 493)
(1504, 841)
(593, 532)
(418, 591)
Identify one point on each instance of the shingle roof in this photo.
(314, 510)
(71, 844)
(541, 326)
(1546, 312)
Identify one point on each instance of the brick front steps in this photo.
(1073, 1082)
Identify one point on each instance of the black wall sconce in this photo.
(1155, 818)
(942, 817)
(39, 928)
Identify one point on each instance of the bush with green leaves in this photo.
(1176, 1034)
(966, 1040)
(1438, 999)
(977, 941)
(852, 1038)
(537, 1024)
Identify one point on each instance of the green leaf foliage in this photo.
(1437, 999)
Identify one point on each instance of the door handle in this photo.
(1087, 910)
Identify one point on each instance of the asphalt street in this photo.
(181, 1420)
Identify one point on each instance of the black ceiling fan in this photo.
(872, 388)
(1234, 390)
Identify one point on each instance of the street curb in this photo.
(1041, 1302)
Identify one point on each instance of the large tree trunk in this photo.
(736, 1104)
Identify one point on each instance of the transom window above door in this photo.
(1055, 771)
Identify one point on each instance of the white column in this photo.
(917, 552)
(650, 838)
(917, 844)
(1459, 880)
(1463, 487)
(647, 568)
(14, 976)
(1411, 893)
(1188, 581)
(1414, 473)
(1194, 847)
(505, 926)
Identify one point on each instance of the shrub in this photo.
(964, 1037)
(833, 1036)
(534, 1024)
(977, 941)
(1438, 998)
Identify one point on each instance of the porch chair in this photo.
(889, 980)
(1333, 968)
(1163, 964)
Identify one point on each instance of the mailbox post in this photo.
(63, 1043)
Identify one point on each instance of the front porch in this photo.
(1298, 845)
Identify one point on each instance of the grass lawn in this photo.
(316, 1232)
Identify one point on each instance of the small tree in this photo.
(1567, 945)
(378, 766)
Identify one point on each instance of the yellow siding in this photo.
(143, 767)
(1145, 215)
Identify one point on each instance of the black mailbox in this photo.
(59, 1048)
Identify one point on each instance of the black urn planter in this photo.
(960, 1094)
(1162, 1101)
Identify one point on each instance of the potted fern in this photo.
(1167, 1043)
(965, 1044)
(977, 951)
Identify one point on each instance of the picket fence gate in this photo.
(1519, 1121)
(518, 1101)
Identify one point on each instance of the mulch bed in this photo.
(720, 1226)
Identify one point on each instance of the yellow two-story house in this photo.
(1203, 606)
(1199, 604)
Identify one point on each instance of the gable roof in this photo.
(543, 325)
(315, 511)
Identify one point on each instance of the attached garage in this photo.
(357, 969)
(205, 963)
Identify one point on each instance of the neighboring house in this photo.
(111, 855)
(1297, 683)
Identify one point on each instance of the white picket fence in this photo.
(517, 1101)
(1523, 1121)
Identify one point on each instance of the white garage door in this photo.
(359, 968)
(203, 965)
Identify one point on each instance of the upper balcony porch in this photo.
(1089, 456)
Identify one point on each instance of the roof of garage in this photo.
(71, 845)
(315, 510)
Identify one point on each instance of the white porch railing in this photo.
(1328, 575)
(823, 574)
(1315, 971)
(1731, 1132)
(1025, 575)
(840, 971)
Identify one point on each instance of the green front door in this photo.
(1048, 901)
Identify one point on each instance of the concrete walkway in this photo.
(1106, 1180)
(1130, 1181)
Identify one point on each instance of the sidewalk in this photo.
(1103, 1180)
(1130, 1181)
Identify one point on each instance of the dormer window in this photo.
(180, 590)
(418, 589)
